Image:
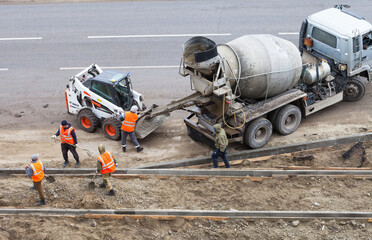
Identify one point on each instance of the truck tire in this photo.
(354, 90)
(287, 119)
(258, 133)
(112, 128)
(87, 120)
(271, 116)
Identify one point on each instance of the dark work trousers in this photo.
(65, 147)
(132, 136)
(39, 189)
(217, 153)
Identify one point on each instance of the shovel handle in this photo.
(94, 176)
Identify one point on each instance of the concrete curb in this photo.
(265, 151)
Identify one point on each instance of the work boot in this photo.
(111, 193)
(77, 164)
(42, 202)
(102, 185)
(124, 149)
(32, 187)
(139, 149)
(65, 163)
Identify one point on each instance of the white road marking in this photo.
(164, 35)
(123, 67)
(4, 69)
(16, 39)
(288, 33)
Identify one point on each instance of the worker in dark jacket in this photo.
(68, 142)
(128, 125)
(221, 143)
(36, 171)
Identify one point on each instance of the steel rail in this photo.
(202, 172)
(97, 213)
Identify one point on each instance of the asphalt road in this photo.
(42, 44)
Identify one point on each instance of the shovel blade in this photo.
(50, 179)
(91, 185)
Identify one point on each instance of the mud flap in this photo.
(196, 135)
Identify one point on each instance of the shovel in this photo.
(86, 150)
(92, 184)
(50, 179)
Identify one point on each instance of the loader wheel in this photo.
(87, 120)
(287, 119)
(354, 90)
(111, 128)
(258, 133)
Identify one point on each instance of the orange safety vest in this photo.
(65, 134)
(37, 171)
(107, 162)
(129, 122)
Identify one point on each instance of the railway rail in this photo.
(171, 214)
(86, 172)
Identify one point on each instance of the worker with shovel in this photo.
(36, 171)
(106, 165)
(68, 142)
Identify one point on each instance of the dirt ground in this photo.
(169, 143)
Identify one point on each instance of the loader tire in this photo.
(112, 128)
(354, 90)
(87, 120)
(287, 119)
(258, 133)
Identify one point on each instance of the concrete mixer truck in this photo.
(255, 84)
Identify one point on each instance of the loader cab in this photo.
(341, 38)
(112, 86)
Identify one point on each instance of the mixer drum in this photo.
(261, 65)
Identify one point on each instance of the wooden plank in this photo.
(216, 218)
(264, 158)
(129, 176)
(230, 178)
(193, 178)
(220, 164)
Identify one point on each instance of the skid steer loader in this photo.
(98, 98)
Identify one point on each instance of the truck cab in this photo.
(341, 38)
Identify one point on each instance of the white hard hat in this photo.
(134, 109)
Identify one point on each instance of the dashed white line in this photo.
(17, 39)
(4, 69)
(124, 67)
(288, 33)
(160, 36)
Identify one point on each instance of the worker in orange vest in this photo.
(128, 125)
(106, 164)
(68, 142)
(36, 171)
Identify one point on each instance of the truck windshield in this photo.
(324, 37)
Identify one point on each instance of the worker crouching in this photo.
(36, 171)
(106, 165)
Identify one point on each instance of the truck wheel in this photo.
(258, 133)
(87, 120)
(287, 119)
(272, 115)
(112, 128)
(354, 90)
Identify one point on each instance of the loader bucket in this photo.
(147, 125)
